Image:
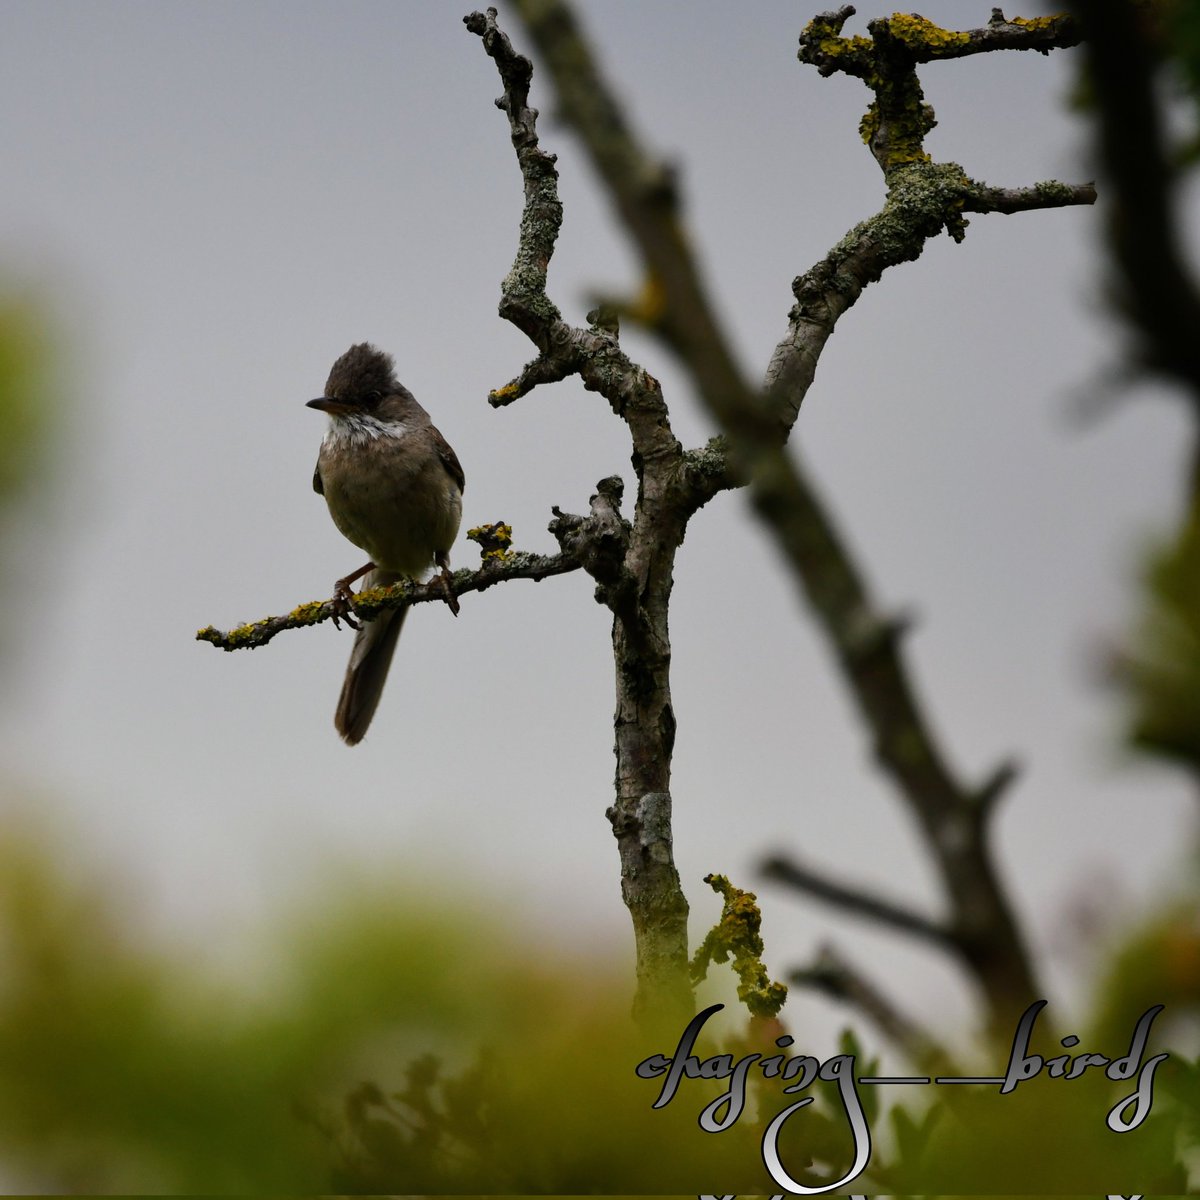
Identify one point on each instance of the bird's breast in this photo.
(390, 495)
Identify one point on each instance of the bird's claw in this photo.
(448, 592)
(343, 605)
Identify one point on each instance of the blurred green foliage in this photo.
(1161, 669)
(28, 393)
(392, 1043)
(1180, 39)
(389, 1043)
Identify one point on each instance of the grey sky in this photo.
(218, 198)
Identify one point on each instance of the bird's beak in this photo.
(328, 405)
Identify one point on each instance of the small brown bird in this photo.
(394, 488)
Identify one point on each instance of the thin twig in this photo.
(855, 900)
(836, 977)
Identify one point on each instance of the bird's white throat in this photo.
(359, 429)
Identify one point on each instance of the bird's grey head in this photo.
(362, 377)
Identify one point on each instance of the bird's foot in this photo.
(343, 598)
(447, 590)
(343, 604)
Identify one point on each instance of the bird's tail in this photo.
(374, 645)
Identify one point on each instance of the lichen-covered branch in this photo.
(912, 37)
(736, 936)
(525, 302)
(497, 567)
(594, 352)
(898, 118)
(674, 303)
(983, 199)
(633, 567)
(923, 199)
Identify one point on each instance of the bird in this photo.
(394, 488)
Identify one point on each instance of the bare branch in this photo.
(1160, 292)
(859, 902)
(995, 786)
(834, 976)
(981, 198)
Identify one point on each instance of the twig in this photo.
(370, 603)
(855, 900)
(834, 976)
(983, 199)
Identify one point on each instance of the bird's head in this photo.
(359, 380)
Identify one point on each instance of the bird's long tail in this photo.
(374, 645)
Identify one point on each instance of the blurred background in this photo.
(207, 204)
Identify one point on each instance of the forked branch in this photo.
(923, 199)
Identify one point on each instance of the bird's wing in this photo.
(318, 486)
(449, 459)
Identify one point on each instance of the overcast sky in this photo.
(215, 200)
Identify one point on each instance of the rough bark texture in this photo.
(632, 563)
(923, 199)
